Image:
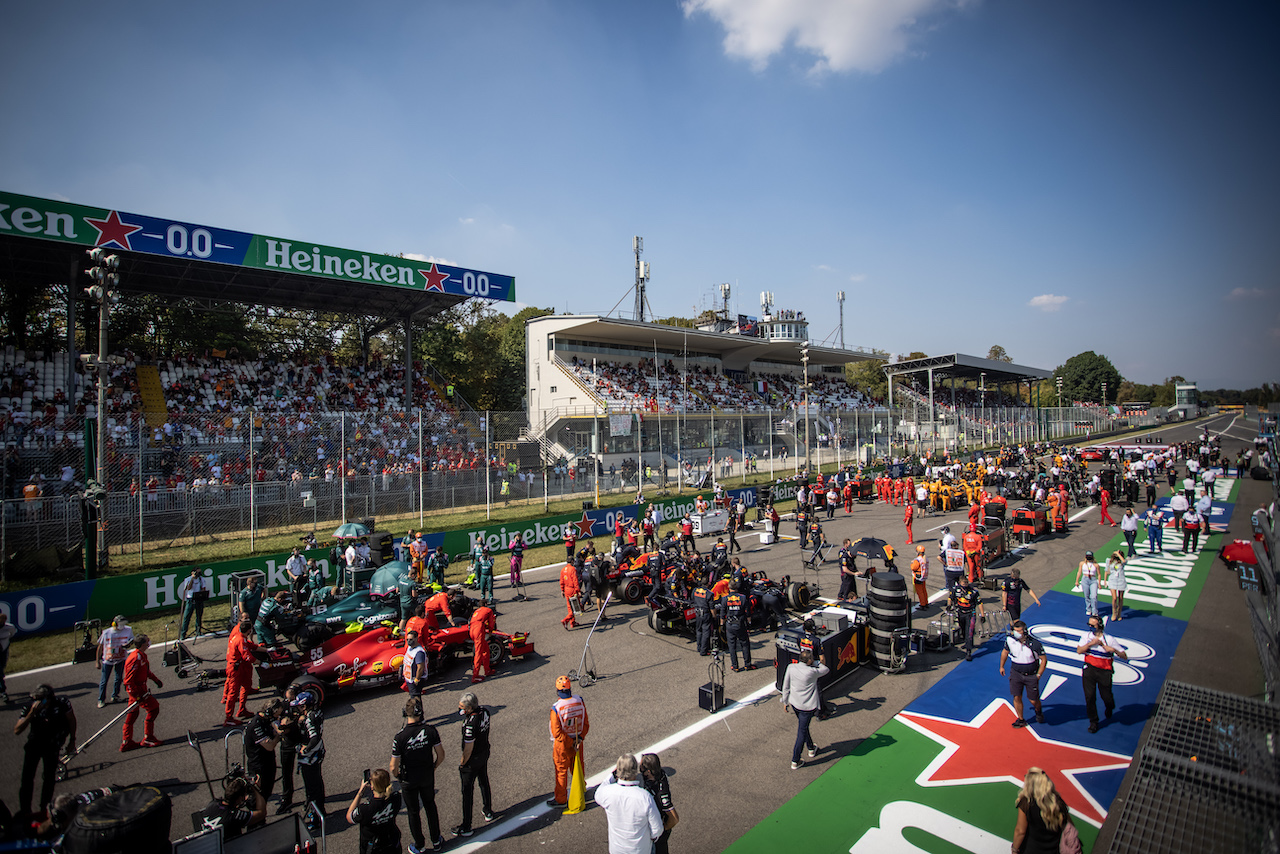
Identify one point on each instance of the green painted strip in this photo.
(848, 807)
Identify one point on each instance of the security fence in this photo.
(242, 473)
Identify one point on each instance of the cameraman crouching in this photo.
(240, 808)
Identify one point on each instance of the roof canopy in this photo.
(962, 367)
(43, 241)
(736, 351)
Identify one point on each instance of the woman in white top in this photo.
(1115, 580)
(1087, 581)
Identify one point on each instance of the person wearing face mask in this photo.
(1099, 650)
(1027, 661)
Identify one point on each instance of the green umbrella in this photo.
(351, 529)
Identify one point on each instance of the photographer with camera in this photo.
(416, 753)
(374, 809)
(51, 720)
(241, 807)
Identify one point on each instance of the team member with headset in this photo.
(416, 753)
(1099, 650)
(1027, 661)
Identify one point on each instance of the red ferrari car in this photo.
(373, 657)
(1093, 454)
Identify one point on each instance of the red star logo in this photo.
(988, 749)
(435, 278)
(584, 527)
(112, 230)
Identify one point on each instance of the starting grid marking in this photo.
(943, 773)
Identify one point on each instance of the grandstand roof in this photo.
(43, 241)
(962, 367)
(736, 351)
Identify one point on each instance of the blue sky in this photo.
(1052, 177)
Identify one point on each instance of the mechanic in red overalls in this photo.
(973, 553)
(137, 670)
(240, 656)
(439, 603)
(907, 518)
(570, 590)
(483, 621)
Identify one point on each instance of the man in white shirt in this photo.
(193, 592)
(634, 819)
(111, 653)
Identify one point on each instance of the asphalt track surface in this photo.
(727, 771)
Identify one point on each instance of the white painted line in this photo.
(507, 826)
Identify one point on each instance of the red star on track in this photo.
(112, 230)
(584, 526)
(435, 278)
(989, 749)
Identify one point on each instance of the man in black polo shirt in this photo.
(474, 766)
(1027, 661)
(416, 752)
(260, 739)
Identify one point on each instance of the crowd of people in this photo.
(702, 388)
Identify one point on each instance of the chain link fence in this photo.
(243, 474)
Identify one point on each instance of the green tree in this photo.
(997, 354)
(1082, 378)
(868, 376)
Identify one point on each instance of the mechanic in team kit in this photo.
(968, 605)
(733, 616)
(374, 809)
(416, 753)
(473, 767)
(240, 808)
(848, 572)
(703, 624)
(1027, 660)
(1011, 593)
(261, 737)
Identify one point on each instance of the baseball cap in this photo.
(1088, 555)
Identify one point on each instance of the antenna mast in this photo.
(642, 276)
(840, 300)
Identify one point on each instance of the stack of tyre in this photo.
(890, 610)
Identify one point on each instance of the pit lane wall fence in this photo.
(60, 607)
(206, 474)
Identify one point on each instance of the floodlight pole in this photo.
(804, 357)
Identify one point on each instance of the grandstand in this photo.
(671, 393)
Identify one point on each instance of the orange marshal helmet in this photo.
(562, 683)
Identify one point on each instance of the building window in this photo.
(553, 389)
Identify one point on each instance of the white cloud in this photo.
(844, 35)
(825, 268)
(1047, 302)
(858, 277)
(466, 220)
(1246, 293)
(428, 259)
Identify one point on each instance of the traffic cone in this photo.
(577, 787)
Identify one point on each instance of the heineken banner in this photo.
(49, 609)
(65, 222)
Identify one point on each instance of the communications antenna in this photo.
(642, 276)
(766, 304)
(840, 300)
